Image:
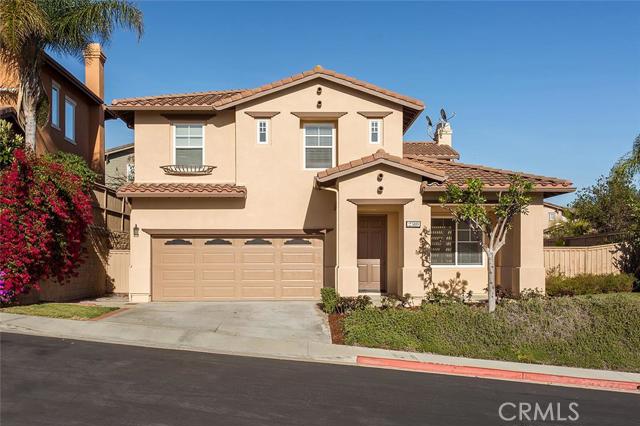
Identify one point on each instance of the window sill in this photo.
(457, 266)
(72, 141)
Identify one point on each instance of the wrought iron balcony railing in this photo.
(184, 170)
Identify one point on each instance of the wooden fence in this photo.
(109, 210)
(582, 260)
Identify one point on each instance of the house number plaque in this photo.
(413, 224)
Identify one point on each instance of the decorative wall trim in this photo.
(262, 114)
(375, 114)
(318, 114)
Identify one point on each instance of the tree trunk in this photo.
(491, 287)
(30, 125)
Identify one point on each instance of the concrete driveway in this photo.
(292, 321)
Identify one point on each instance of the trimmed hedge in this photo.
(560, 285)
(600, 331)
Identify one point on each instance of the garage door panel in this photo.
(221, 292)
(221, 274)
(297, 292)
(298, 275)
(258, 292)
(229, 257)
(211, 268)
(258, 274)
(178, 258)
(258, 257)
(298, 257)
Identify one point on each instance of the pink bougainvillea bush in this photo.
(45, 210)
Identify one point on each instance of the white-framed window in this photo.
(454, 244)
(188, 144)
(69, 120)
(552, 216)
(319, 145)
(55, 105)
(375, 131)
(262, 131)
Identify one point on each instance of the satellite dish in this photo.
(429, 122)
(443, 114)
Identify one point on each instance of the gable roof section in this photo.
(493, 179)
(430, 149)
(219, 100)
(379, 158)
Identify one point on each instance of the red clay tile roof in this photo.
(494, 179)
(218, 100)
(380, 157)
(430, 149)
(182, 190)
(196, 99)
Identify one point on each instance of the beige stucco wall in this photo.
(281, 194)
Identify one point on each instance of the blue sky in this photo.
(548, 88)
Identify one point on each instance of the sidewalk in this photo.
(212, 342)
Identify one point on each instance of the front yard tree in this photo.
(468, 204)
(29, 27)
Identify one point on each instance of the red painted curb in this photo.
(109, 314)
(493, 373)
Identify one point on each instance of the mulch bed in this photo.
(337, 331)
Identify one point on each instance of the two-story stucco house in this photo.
(275, 192)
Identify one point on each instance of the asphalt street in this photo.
(49, 381)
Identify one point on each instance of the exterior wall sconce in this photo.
(319, 104)
(136, 231)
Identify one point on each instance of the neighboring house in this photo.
(119, 166)
(277, 191)
(76, 120)
(553, 214)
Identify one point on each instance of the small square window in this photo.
(262, 128)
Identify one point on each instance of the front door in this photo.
(372, 253)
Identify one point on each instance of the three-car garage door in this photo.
(210, 268)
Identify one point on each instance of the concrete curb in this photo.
(493, 373)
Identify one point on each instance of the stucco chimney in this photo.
(444, 134)
(94, 61)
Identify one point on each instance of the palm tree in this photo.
(629, 165)
(29, 27)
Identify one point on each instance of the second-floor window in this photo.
(375, 131)
(69, 120)
(189, 144)
(319, 146)
(55, 105)
(262, 127)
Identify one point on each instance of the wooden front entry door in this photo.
(372, 253)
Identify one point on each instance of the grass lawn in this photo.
(597, 331)
(60, 310)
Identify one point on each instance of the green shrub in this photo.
(594, 331)
(346, 305)
(561, 285)
(329, 299)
